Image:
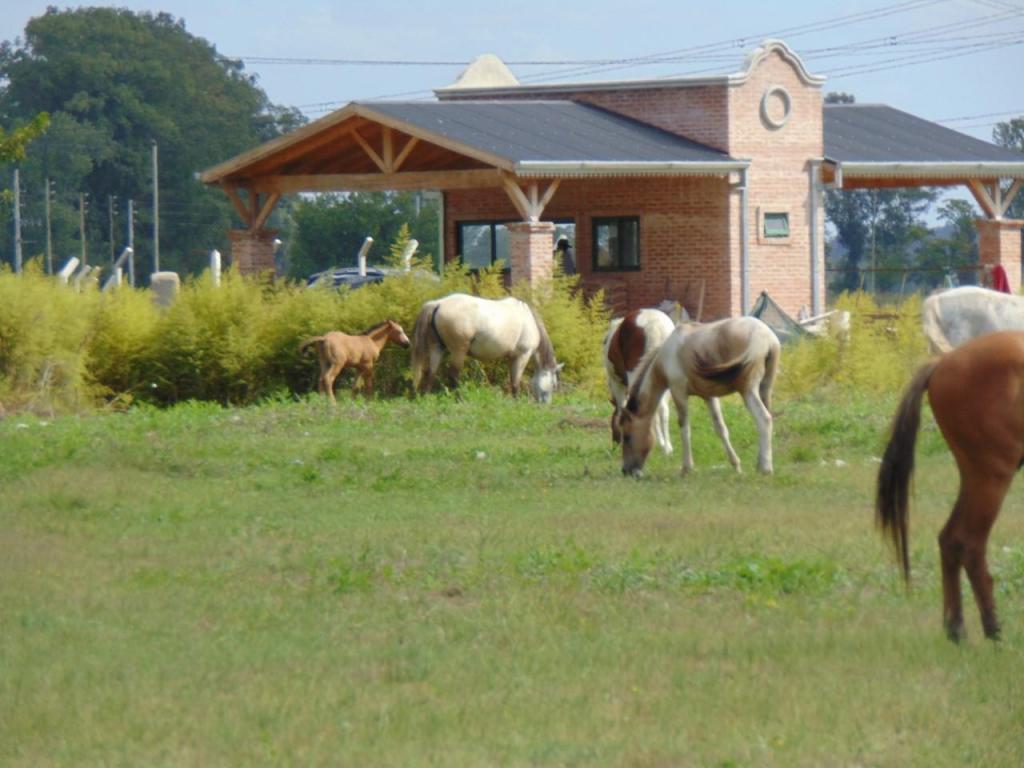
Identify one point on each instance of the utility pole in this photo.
(81, 226)
(110, 225)
(131, 242)
(156, 211)
(17, 222)
(49, 232)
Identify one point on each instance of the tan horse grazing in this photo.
(739, 354)
(338, 351)
(976, 393)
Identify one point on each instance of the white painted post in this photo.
(361, 257)
(66, 271)
(215, 266)
(114, 280)
(407, 252)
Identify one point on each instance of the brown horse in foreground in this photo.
(976, 393)
(338, 350)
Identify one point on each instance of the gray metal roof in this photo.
(875, 133)
(538, 132)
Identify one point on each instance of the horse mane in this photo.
(376, 327)
(545, 350)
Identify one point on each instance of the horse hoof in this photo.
(956, 633)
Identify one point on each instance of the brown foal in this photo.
(338, 351)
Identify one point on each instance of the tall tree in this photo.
(114, 82)
(1010, 134)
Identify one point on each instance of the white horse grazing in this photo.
(739, 354)
(630, 341)
(952, 317)
(487, 330)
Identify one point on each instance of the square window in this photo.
(616, 244)
(776, 225)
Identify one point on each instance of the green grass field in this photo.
(472, 582)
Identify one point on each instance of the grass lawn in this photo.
(472, 582)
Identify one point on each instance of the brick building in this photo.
(706, 190)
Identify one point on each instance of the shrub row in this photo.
(238, 342)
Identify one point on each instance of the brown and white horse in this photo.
(738, 354)
(976, 394)
(630, 341)
(488, 330)
(338, 351)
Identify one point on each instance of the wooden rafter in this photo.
(984, 195)
(240, 205)
(378, 161)
(264, 214)
(531, 204)
(388, 150)
(325, 182)
(404, 154)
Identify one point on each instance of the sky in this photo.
(957, 62)
(954, 61)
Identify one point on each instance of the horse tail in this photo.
(931, 323)
(891, 508)
(309, 342)
(771, 368)
(421, 341)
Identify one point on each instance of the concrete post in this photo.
(999, 242)
(252, 252)
(531, 246)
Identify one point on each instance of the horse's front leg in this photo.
(661, 429)
(715, 409)
(366, 373)
(516, 366)
(683, 412)
(763, 419)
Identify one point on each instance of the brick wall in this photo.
(689, 227)
(684, 233)
(252, 252)
(778, 179)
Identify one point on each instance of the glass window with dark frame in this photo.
(481, 243)
(616, 244)
(776, 225)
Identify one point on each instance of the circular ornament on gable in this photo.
(776, 106)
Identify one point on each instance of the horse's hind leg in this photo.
(963, 542)
(715, 409)
(763, 419)
(328, 380)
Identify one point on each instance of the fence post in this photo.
(407, 252)
(66, 271)
(215, 266)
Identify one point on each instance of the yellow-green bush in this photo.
(44, 332)
(883, 348)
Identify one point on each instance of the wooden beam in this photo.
(548, 194)
(517, 197)
(370, 151)
(984, 198)
(388, 150)
(404, 154)
(475, 179)
(240, 205)
(264, 214)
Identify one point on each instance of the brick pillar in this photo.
(530, 250)
(999, 243)
(252, 252)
